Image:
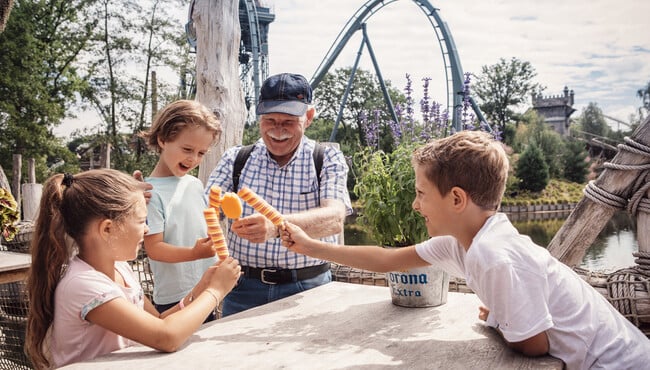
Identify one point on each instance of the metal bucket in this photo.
(419, 287)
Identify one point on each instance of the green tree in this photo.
(119, 64)
(575, 166)
(365, 96)
(504, 86)
(38, 78)
(592, 122)
(532, 169)
(533, 129)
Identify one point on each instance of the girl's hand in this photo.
(203, 248)
(225, 275)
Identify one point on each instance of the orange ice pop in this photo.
(260, 205)
(215, 232)
(231, 205)
(214, 200)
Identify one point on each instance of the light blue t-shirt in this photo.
(176, 209)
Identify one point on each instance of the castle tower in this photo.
(556, 110)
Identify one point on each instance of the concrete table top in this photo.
(338, 326)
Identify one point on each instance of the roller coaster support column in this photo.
(344, 100)
(389, 103)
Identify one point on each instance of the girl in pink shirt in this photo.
(84, 300)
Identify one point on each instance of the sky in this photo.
(600, 49)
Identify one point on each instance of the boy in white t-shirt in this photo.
(538, 304)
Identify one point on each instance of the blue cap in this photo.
(284, 93)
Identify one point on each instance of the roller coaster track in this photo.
(453, 70)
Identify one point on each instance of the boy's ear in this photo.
(459, 197)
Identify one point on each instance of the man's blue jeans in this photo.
(250, 292)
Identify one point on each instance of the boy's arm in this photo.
(158, 250)
(372, 258)
(537, 345)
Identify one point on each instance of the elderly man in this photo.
(308, 189)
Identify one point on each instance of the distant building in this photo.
(556, 110)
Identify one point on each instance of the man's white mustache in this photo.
(281, 137)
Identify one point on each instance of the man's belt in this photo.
(271, 275)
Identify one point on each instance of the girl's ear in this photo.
(106, 228)
(460, 198)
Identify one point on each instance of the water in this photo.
(611, 250)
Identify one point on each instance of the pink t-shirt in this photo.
(82, 289)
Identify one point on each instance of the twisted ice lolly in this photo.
(215, 232)
(231, 205)
(260, 205)
(214, 199)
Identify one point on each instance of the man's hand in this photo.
(145, 186)
(255, 228)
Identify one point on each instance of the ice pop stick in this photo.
(231, 205)
(214, 199)
(260, 205)
(215, 232)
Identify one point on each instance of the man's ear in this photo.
(460, 198)
(310, 114)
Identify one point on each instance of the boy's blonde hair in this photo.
(471, 160)
(177, 116)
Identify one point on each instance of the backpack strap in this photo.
(245, 152)
(319, 151)
(240, 161)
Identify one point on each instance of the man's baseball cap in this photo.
(284, 93)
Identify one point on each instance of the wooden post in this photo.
(105, 155)
(16, 178)
(4, 181)
(31, 171)
(218, 37)
(32, 193)
(643, 228)
(588, 218)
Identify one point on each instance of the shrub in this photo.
(532, 170)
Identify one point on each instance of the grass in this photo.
(556, 192)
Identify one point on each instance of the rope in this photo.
(638, 201)
(603, 197)
(625, 288)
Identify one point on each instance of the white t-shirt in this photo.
(529, 291)
(81, 290)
